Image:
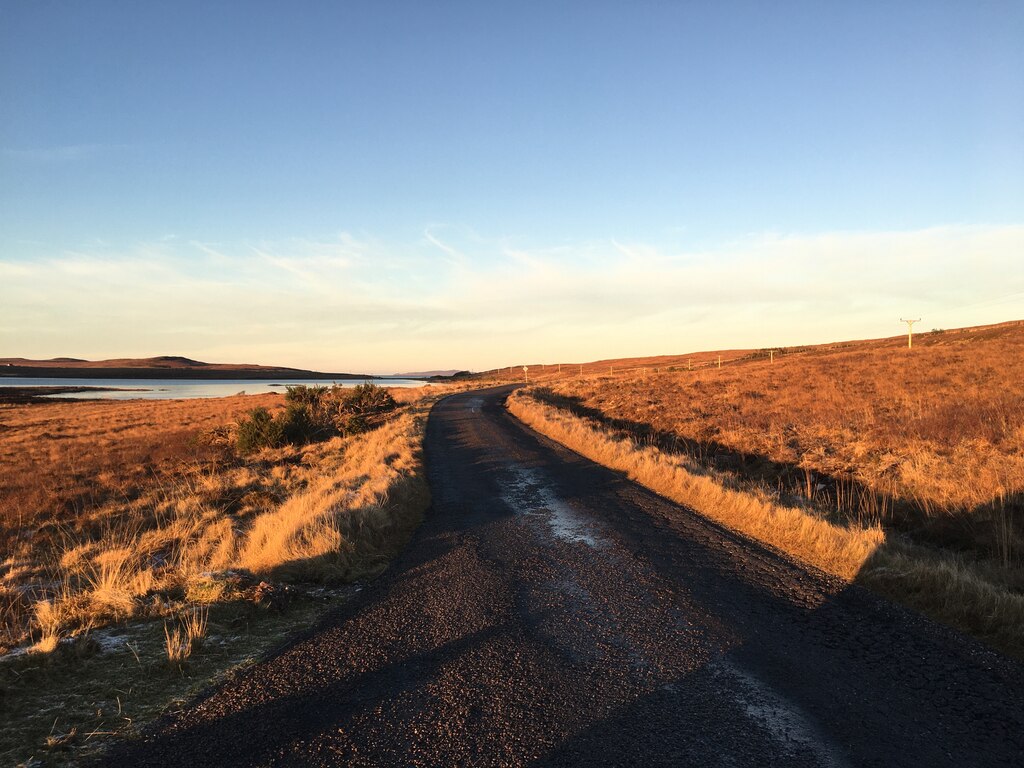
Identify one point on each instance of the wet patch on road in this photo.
(529, 493)
(779, 718)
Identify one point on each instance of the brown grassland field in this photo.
(901, 469)
(141, 554)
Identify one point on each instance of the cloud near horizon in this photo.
(455, 300)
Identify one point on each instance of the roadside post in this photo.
(910, 331)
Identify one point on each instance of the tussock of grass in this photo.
(49, 638)
(974, 597)
(185, 635)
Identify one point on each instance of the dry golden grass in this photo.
(903, 469)
(186, 635)
(115, 510)
(63, 460)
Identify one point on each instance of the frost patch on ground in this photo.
(110, 640)
(15, 652)
(529, 494)
(778, 717)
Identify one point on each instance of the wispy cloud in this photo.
(455, 257)
(65, 153)
(356, 302)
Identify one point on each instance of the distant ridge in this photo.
(160, 367)
(175, 360)
(426, 374)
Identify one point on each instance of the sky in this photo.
(394, 186)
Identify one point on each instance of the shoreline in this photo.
(21, 395)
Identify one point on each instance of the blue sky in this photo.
(385, 186)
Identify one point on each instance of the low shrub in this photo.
(258, 430)
(368, 399)
(315, 413)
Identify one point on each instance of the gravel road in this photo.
(549, 612)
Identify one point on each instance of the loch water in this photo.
(171, 389)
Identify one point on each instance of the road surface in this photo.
(551, 613)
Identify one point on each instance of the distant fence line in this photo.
(568, 371)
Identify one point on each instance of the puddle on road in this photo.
(528, 494)
(784, 721)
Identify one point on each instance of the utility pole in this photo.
(910, 331)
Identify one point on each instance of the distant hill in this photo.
(427, 374)
(161, 367)
(162, 361)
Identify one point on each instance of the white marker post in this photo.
(910, 331)
(526, 373)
